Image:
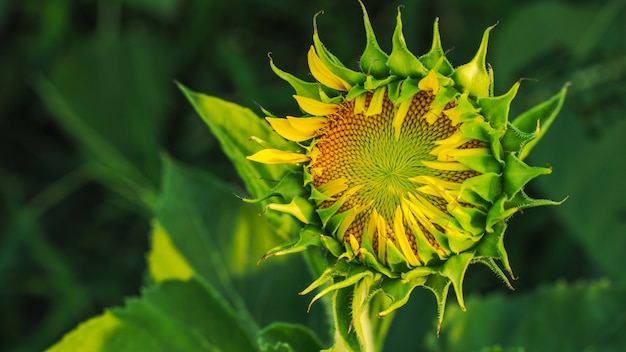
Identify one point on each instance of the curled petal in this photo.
(277, 156)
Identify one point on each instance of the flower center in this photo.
(379, 173)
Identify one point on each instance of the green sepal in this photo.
(517, 174)
(368, 256)
(350, 277)
(454, 269)
(288, 188)
(481, 163)
(541, 115)
(460, 242)
(514, 140)
(408, 89)
(393, 90)
(428, 254)
(399, 292)
(443, 97)
(471, 220)
(496, 109)
(498, 212)
(401, 61)
(309, 236)
(335, 222)
(334, 247)
(371, 260)
(478, 129)
(302, 88)
(338, 269)
(473, 76)
(318, 197)
(395, 259)
(326, 214)
(492, 246)
(355, 91)
(488, 186)
(332, 62)
(420, 272)
(469, 112)
(522, 201)
(439, 286)
(491, 264)
(374, 59)
(324, 98)
(372, 83)
(433, 58)
(300, 208)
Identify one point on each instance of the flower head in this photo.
(408, 169)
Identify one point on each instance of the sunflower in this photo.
(407, 170)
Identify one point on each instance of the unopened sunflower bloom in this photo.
(408, 169)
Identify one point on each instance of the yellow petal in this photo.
(429, 180)
(347, 221)
(286, 130)
(297, 129)
(399, 116)
(277, 156)
(430, 82)
(403, 242)
(359, 104)
(307, 124)
(334, 187)
(323, 75)
(381, 226)
(376, 103)
(314, 107)
(354, 243)
(446, 166)
(424, 210)
(450, 154)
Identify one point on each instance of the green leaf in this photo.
(584, 316)
(539, 118)
(171, 316)
(515, 35)
(280, 337)
(591, 172)
(165, 262)
(104, 94)
(211, 232)
(221, 239)
(233, 126)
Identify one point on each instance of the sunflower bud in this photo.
(409, 169)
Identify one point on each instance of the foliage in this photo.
(101, 149)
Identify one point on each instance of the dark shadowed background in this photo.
(88, 107)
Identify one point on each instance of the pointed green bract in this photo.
(374, 59)
(473, 77)
(401, 61)
(435, 58)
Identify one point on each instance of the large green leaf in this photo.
(218, 235)
(282, 337)
(580, 317)
(104, 94)
(591, 172)
(171, 316)
(233, 125)
(516, 35)
(202, 229)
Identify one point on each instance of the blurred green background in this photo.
(88, 107)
